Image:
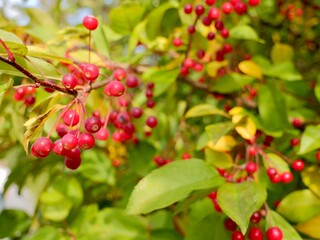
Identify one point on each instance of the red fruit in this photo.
(255, 233)
(286, 177)
(30, 90)
(274, 233)
(61, 129)
(188, 8)
(276, 178)
(73, 153)
(252, 151)
(224, 33)
(297, 123)
(72, 163)
(206, 21)
(294, 142)
(29, 100)
(251, 167)
(92, 124)
(254, 3)
(58, 148)
(240, 8)
(41, 147)
(237, 235)
(150, 103)
(149, 93)
(211, 36)
(198, 67)
(136, 112)
(230, 225)
(102, 134)
(199, 9)
(188, 63)
(129, 128)
(297, 165)
(191, 29)
(116, 136)
(69, 141)
(186, 156)
(150, 85)
(115, 88)
(219, 25)
(255, 217)
(86, 141)
(70, 118)
(201, 54)
(227, 48)
(90, 72)
(318, 155)
(152, 122)
(119, 74)
(210, 2)
(177, 42)
(227, 7)
(69, 81)
(214, 13)
(132, 81)
(90, 22)
(19, 94)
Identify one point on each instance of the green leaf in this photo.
(48, 233)
(272, 108)
(167, 234)
(283, 70)
(218, 159)
(274, 161)
(203, 110)
(231, 197)
(217, 130)
(13, 223)
(281, 53)
(210, 227)
(275, 220)
(173, 182)
(310, 139)
(317, 88)
(245, 32)
(140, 156)
(5, 86)
(155, 19)
(13, 42)
(162, 77)
(311, 178)
(299, 206)
(231, 83)
(43, 52)
(125, 17)
(35, 124)
(310, 228)
(38, 67)
(100, 39)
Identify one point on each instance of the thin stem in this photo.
(190, 38)
(10, 55)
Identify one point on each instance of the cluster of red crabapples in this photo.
(211, 16)
(25, 94)
(78, 133)
(255, 232)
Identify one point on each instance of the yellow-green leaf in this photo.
(203, 110)
(310, 228)
(224, 144)
(250, 68)
(35, 124)
(43, 52)
(311, 178)
(245, 126)
(218, 159)
(213, 67)
(281, 53)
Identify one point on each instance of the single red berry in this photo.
(115, 88)
(136, 112)
(90, 22)
(42, 147)
(71, 118)
(237, 235)
(252, 151)
(188, 8)
(255, 233)
(61, 129)
(199, 9)
(69, 81)
(206, 21)
(177, 42)
(152, 122)
(69, 141)
(227, 8)
(276, 178)
(149, 93)
(102, 134)
(201, 54)
(151, 103)
(30, 90)
(286, 177)
(73, 153)
(188, 63)
(255, 217)
(19, 94)
(211, 36)
(297, 123)
(58, 148)
(198, 67)
(230, 225)
(240, 8)
(234, 2)
(129, 128)
(91, 72)
(72, 163)
(29, 100)
(219, 25)
(132, 81)
(116, 136)
(119, 74)
(254, 3)
(224, 33)
(92, 124)
(298, 165)
(210, 2)
(318, 155)
(191, 29)
(186, 156)
(251, 167)
(274, 233)
(86, 141)
(214, 13)
(227, 48)
(159, 161)
(294, 142)
(150, 85)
